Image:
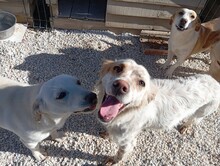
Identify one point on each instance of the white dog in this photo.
(129, 101)
(34, 112)
(189, 36)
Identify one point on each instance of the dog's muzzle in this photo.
(120, 87)
(181, 25)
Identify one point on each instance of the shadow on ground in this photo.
(85, 64)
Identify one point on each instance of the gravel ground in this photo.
(43, 55)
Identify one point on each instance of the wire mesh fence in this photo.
(41, 15)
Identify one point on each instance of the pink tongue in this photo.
(110, 108)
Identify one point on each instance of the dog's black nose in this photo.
(120, 87)
(91, 98)
(183, 21)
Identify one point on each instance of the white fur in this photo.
(33, 112)
(161, 104)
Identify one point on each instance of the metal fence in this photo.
(43, 19)
(210, 11)
(41, 16)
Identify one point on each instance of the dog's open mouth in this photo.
(110, 108)
(181, 28)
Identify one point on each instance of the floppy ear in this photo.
(98, 86)
(151, 96)
(37, 112)
(105, 67)
(171, 19)
(198, 24)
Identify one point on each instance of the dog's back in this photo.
(180, 98)
(6, 82)
(213, 25)
(13, 99)
(209, 35)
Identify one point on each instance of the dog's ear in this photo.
(151, 96)
(37, 112)
(171, 19)
(98, 89)
(198, 24)
(105, 67)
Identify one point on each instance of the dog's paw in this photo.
(163, 66)
(104, 134)
(110, 161)
(183, 129)
(168, 74)
(40, 156)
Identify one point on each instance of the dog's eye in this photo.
(192, 16)
(61, 95)
(78, 82)
(181, 13)
(118, 69)
(142, 83)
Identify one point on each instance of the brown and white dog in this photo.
(188, 36)
(129, 101)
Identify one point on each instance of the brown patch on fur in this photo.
(106, 66)
(209, 34)
(213, 25)
(198, 24)
(151, 96)
(213, 37)
(118, 68)
(203, 35)
(171, 19)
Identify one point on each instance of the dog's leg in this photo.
(169, 59)
(214, 69)
(199, 115)
(36, 151)
(57, 135)
(122, 153)
(104, 134)
(117, 158)
(186, 126)
(171, 69)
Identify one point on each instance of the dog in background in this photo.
(188, 36)
(34, 112)
(129, 101)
